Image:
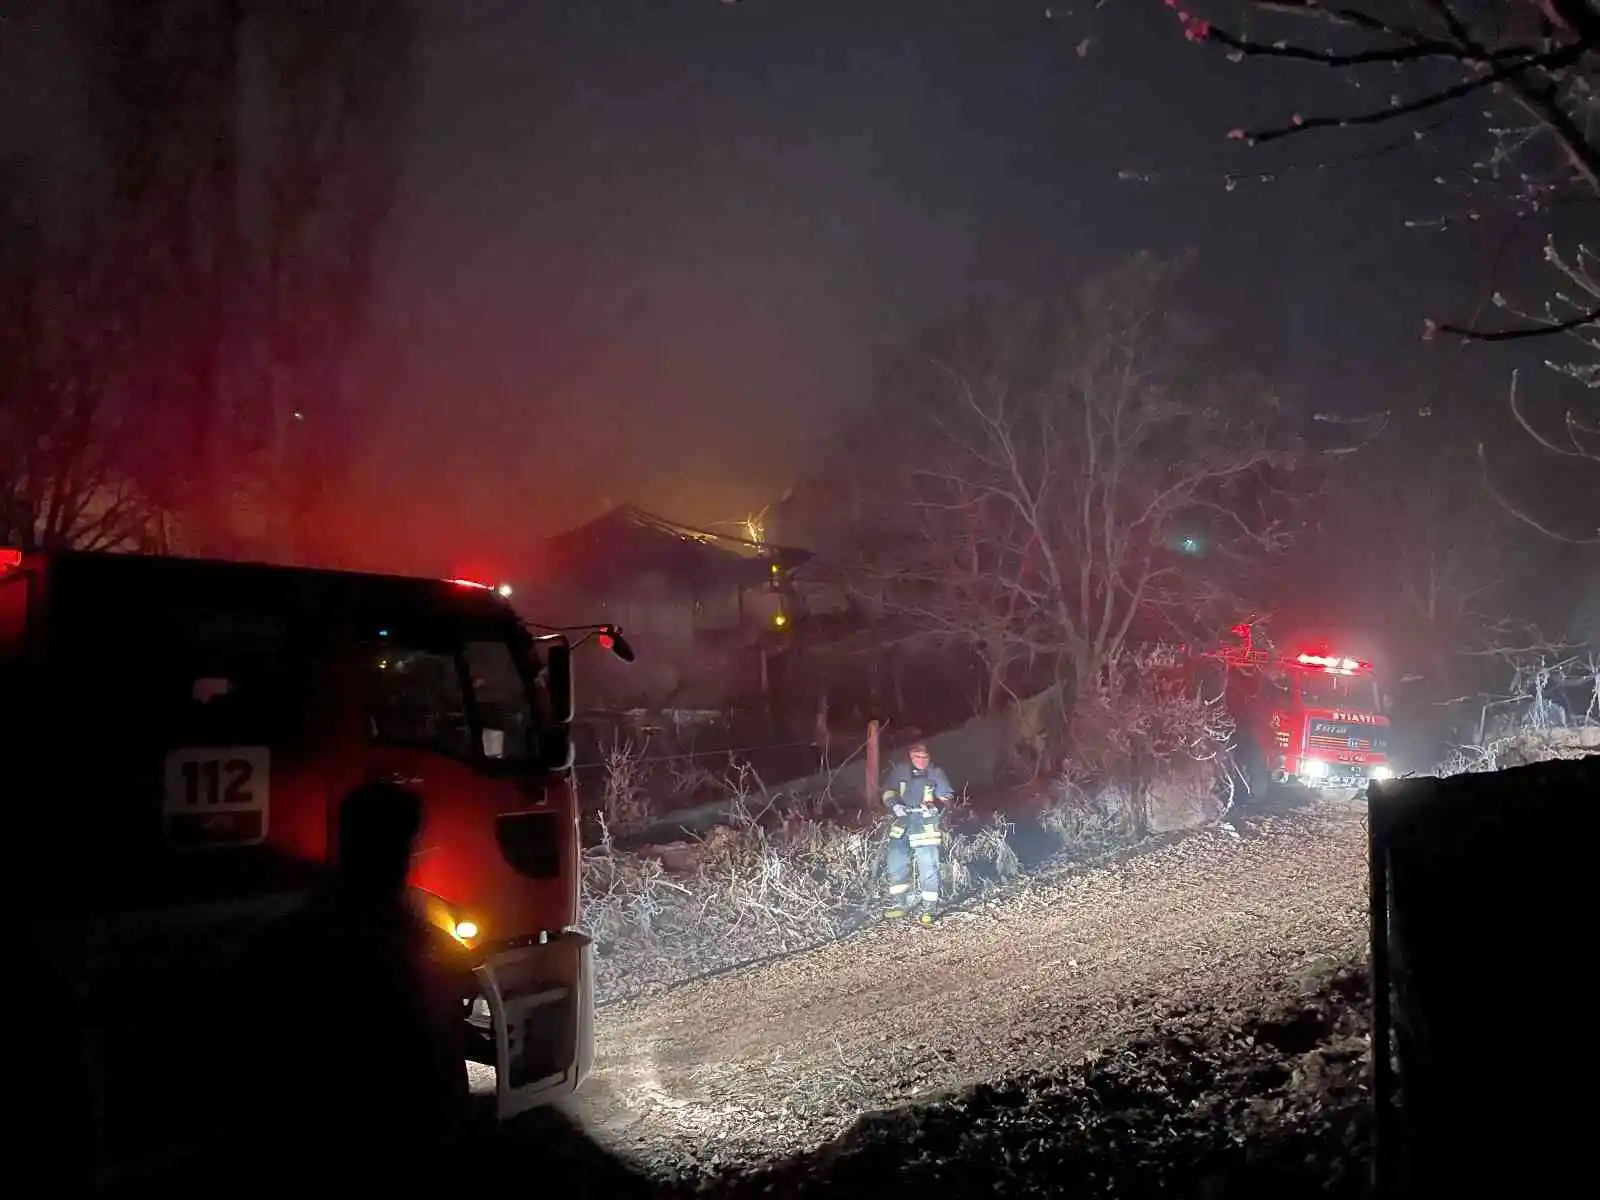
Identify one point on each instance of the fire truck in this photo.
(187, 728)
(1312, 717)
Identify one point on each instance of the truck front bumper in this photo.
(534, 1020)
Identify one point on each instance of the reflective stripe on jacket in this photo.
(919, 829)
(915, 789)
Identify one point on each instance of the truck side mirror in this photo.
(611, 639)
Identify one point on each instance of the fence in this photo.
(972, 755)
(1482, 905)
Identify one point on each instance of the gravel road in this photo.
(743, 1070)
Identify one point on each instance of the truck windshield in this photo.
(468, 702)
(1319, 689)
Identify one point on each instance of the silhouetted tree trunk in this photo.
(254, 150)
(65, 444)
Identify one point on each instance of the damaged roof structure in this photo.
(705, 610)
(628, 543)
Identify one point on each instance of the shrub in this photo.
(1080, 819)
(625, 798)
(1520, 747)
(776, 877)
(1146, 750)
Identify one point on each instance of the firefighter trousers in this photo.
(914, 838)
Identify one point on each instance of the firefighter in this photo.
(913, 793)
(357, 1037)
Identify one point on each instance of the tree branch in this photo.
(1519, 333)
(1501, 73)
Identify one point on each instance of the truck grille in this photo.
(540, 1045)
(1338, 736)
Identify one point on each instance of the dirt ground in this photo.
(1261, 1095)
(737, 1074)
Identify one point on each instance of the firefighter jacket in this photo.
(915, 789)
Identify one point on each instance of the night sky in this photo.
(646, 249)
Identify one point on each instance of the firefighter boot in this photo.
(899, 902)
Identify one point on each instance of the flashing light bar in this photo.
(502, 590)
(1333, 664)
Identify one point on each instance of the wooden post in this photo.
(821, 733)
(871, 787)
(766, 695)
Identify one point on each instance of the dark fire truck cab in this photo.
(188, 728)
(1313, 716)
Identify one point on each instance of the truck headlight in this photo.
(444, 916)
(1314, 768)
(1380, 773)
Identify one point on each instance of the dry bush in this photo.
(982, 858)
(686, 777)
(1538, 721)
(623, 894)
(1146, 750)
(625, 801)
(1521, 747)
(1080, 819)
(780, 875)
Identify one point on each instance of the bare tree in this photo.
(66, 471)
(336, 107)
(254, 145)
(1576, 442)
(1446, 562)
(1529, 72)
(1540, 57)
(1443, 567)
(1076, 478)
(1574, 313)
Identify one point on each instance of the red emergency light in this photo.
(10, 557)
(607, 642)
(1333, 663)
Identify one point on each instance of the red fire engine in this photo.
(188, 727)
(1313, 716)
